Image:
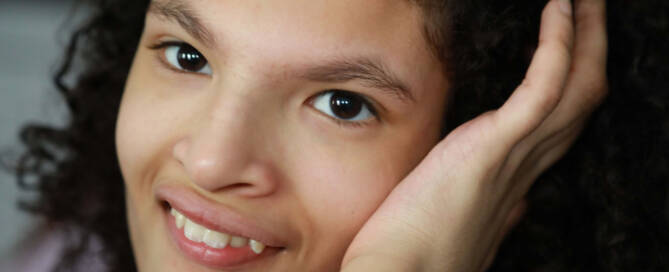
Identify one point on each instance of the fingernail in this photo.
(565, 7)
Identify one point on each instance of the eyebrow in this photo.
(370, 72)
(178, 11)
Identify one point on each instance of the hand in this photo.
(452, 212)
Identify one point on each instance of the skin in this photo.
(247, 136)
(455, 220)
(445, 220)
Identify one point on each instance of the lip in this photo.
(217, 217)
(227, 257)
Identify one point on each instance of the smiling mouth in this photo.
(215, 239)
(214, 248)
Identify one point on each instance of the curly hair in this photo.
(603, 207)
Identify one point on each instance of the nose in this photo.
(225, 155)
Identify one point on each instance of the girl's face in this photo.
(284, 122)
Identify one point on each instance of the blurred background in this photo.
(32, 38)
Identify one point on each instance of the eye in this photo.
(344, 105)
(184, 57)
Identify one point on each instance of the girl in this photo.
(307, 136)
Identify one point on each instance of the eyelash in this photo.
(351, 124)
(339, 122)
(161, 45)
(346, 123)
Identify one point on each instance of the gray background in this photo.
(32, 38)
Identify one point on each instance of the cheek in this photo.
(129, 132)
(144, 130)
(337, 192)
(341, 185)
(341, 179)
(345, 193)
(134, 141)
(146, 123)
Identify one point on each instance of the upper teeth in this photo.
(212, 238)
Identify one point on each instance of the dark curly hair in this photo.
(603, 207)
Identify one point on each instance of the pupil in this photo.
(190, 59)
(345, 105)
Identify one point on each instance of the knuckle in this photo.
(526, 84)
(561, 44)
(586, 12)
(548, 101)
(589, 10)
(596, 90)
(562, 49)
(544, 104)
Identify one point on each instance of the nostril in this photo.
(215, 165)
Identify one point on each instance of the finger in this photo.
(587, 85)
(543, 159)
(511, 221)
(585, 89)
(540, 158)
(533, 103)
(536, 153)
(590, 49)
(544, 82)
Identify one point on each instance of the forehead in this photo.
(341, 20)
(315, 30)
